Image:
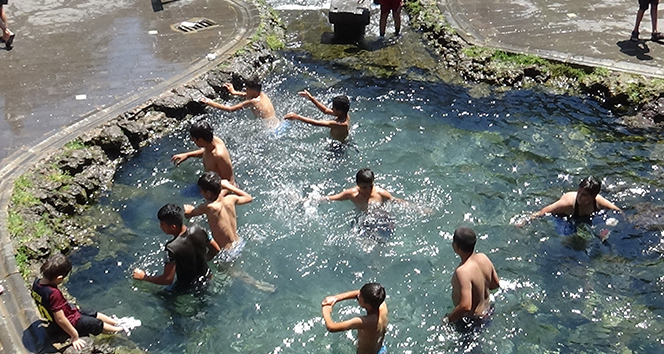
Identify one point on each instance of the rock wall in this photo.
(632, 96)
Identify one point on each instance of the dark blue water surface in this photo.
(460, 160)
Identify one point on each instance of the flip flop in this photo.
(10, 40)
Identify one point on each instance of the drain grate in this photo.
(194, 25)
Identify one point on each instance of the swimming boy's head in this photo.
(201, 132)
(340, 106)
(56, 268)
(170, 219)
(210, 185)
(464, 239)
(253, 88)
(371, 296)
(588, 189)
(365, 179)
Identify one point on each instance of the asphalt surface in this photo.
(589, 33)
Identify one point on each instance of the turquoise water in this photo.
(459, 160)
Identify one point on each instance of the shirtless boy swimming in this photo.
(582, 203)
(370, 328)
(365, 193)
(213, 151)
(471, 282)
(256, 99)
(220, 211)
(339, 127)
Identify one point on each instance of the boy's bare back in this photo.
(372, 333)
(219, 160)
(222, 220)
(477, 276)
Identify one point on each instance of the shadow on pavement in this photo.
(635, 49)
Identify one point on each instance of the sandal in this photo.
(10, 40)
(634, 37)
(656, 36)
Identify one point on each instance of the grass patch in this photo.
(75, 144)
(414, 7)
(15, 224)
(22, 196)
(519, 59)
(22, 262)
(476, 51)
(58, 176)
(274, 42)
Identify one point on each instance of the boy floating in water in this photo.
(370, 328)
(365, 193)
(185, 255)
(220, 211)
(471, 282)
(256, 99)
(339, 127)
(69, 319)
(213, 151)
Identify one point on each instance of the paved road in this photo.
(594, 33)
(73, 58)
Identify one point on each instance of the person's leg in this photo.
(383, 19)
(106, 319)
(3, 23)
(396, 14)
(639, 17)
(108, 329)
(653, 17)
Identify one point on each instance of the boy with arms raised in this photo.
(370, 328)
(365, 193)
(220, 211)
(471, 282)
(339, 127)
(186, 255)
(53, 306)
(256, 99)
(212, 150)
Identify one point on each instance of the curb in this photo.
(17, 310)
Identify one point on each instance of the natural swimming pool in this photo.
(476, 161)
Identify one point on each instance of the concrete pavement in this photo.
(588, 33)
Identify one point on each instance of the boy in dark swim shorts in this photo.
(385, 7)
(643, 6)
(54, 308)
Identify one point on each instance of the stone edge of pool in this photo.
(19, 318)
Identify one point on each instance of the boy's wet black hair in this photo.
(341, 104)
(373, 294)
(591, 185)
(56, 265)
(253, 84)
(202, 130)
(364, 176)
(210, 182)
(171, 214)
(465, 238)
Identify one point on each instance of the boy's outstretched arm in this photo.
(234, 108)
(179, 158)
(331, 300)
(323, 108)
(345, 195)
(241, 196)
(190, 211)
(165, 278)
(228, 86)
(605, 204)
(318, 123)
(63, 322)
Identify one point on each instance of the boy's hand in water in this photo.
(305, 94)
(329, 301)
(291, 116)
(204, 100)
(178, 159)
(138, 274)
(228, 86)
